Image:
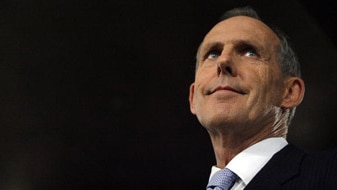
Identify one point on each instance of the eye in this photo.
(250, 53)
(213, 54)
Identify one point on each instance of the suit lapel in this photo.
(283, 166)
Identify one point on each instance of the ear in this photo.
(294, 92)
(190, 98)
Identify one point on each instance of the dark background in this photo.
(94, 94)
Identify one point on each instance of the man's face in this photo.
(238, 81)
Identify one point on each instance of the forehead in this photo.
(240, 28)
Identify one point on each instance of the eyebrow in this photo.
(257, 46)
(206, 47)
(211, 45)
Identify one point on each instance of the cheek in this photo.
(259, 86)
(266, 90)
(202, 75)
(202, 81)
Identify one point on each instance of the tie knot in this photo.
(222, 180)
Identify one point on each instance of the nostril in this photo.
(219, 70)
(225, 68)
(229, 70)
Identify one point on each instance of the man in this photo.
(247, 86)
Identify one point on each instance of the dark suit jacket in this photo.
(292, 168)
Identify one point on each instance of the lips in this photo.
(226, 88)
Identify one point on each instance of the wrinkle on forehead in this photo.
(240, 29)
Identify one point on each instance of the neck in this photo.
(227, 145)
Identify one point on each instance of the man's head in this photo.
(247, 77)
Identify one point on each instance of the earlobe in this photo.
(294, 92)
(191, 96)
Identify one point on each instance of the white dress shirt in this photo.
(251, 160)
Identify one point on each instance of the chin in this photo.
(217, 122)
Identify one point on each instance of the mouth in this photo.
(226, 88)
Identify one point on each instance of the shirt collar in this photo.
(251, 160)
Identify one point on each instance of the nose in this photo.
(225, 65)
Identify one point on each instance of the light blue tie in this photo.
(222, 180)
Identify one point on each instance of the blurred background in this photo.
(94, 94)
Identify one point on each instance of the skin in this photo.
(240, 94)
